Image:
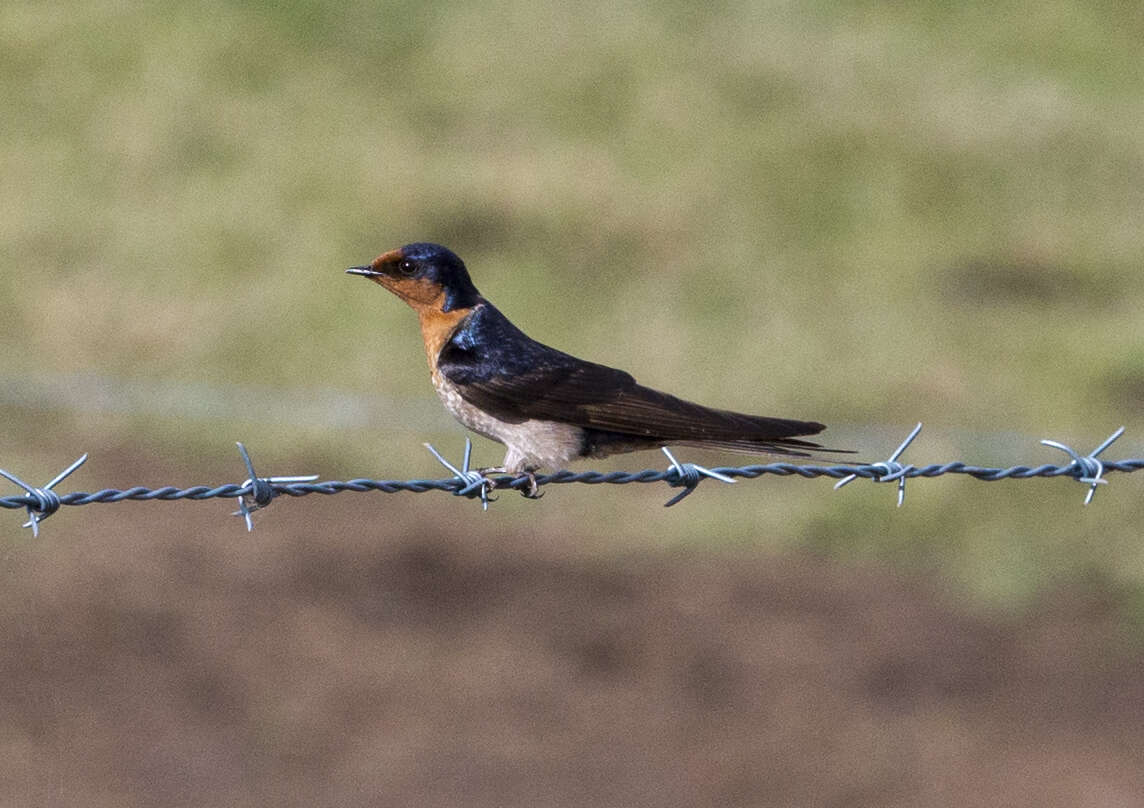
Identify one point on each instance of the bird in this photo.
(548, 407)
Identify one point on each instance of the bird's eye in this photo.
(406, 268)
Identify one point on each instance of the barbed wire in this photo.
(258, 492)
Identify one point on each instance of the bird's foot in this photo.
(531, 492)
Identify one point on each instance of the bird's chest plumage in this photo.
(531, 443)
(473, 417)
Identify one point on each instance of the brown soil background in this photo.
(158, 655)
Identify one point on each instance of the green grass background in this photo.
(864, 213)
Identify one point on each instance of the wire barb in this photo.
(47, 501)
(474, 483)
(891, 469)
(1087, 469)
(261, 490)
(689, 475)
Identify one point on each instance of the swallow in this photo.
(548, 407)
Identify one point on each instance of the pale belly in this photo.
(531, 444)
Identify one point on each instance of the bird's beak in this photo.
(368, 272)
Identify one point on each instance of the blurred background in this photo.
(862, 214)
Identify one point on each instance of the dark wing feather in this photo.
(498, 368)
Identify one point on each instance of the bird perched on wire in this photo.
(546, 406)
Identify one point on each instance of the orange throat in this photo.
(428, 300)
(436, 328)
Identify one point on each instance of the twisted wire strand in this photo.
(507, 482)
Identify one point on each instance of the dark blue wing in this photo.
(498, 368)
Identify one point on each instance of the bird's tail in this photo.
(790, 447)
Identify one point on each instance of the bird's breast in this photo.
(531, 443)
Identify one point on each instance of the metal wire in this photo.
(41, 503)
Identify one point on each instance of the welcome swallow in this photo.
(546, 406)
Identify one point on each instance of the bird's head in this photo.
(428, 277)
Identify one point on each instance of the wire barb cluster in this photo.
(893, 470)
(1088, 468)
(262, 490)
(43, 502)
(256, 492)
(475, 483)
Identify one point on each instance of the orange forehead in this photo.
(420, 293)
(391, 257)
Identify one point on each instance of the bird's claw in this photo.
(531, 492)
